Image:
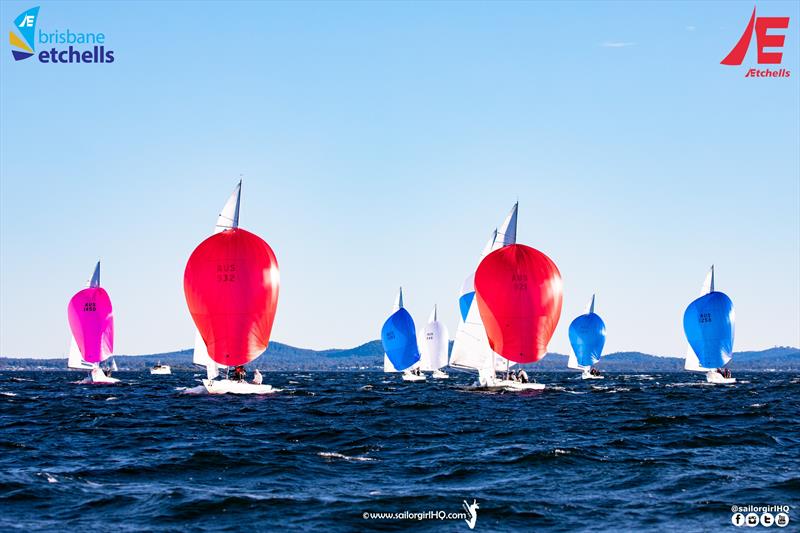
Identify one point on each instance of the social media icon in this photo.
(751, 519)
(737, 519)
(767, 519)
(781, 519)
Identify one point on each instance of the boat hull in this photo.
(227, 386)
(438, 374)
(413, 378)
(716, 377)
(163, 371)
(587, 375)
(98, 377)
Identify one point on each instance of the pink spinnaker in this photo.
(91, 320)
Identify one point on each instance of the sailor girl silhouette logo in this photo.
(23, 40)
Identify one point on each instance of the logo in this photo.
(89, 46)
(761, 26)
(22, 42)
(472, 513)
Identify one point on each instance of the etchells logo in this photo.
(761, 26)
(83, 47)
(22, 43)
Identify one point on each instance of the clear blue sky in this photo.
(380, 144)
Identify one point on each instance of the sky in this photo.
(381, 143)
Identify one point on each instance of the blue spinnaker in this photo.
(399, 338)
(709, 323)
(464, 302)
(587, 335)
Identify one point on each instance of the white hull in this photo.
(716, 377)
(438, 374)
(587, 375)
(161, 370)
(98, 377)
(507, 386)
(227, 386)
(414, 378)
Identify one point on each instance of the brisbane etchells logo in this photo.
(22, 42)
(761, 26)
(82, 46)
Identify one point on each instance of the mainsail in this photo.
(587, 335)
(708, 323)
(91, 321)
(471, 346)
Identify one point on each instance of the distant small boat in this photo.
(708, 323)
(160, 369)
(399, 339)
(587, 335)
(91, 321)
(231, 284)
(434, 341)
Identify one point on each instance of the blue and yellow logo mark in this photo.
(25, 24)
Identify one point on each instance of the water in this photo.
(659, 452)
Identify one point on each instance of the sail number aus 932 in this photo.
(226, 272)
(520, 281)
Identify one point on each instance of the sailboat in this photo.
(399, 339)
(708, 323)
(471, 350)
(160, 370)
(231, 286)
(434, 342)
(587, 335)
(91, 321)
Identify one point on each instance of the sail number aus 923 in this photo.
(519, 281)
(226, 272)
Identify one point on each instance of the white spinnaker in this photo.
(692, 363)
(75, 358)
(228, 219)
(433, 344)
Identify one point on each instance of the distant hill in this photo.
(369, 356)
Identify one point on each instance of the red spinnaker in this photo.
(518, 290)
(231, 286)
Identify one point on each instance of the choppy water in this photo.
(658, 452)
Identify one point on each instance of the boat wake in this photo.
(337, 455)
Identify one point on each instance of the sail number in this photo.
(519, 281)
(89, 307)
(705, 318)
(226, 272)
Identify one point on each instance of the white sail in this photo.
(590, 306)
(114, 367)
(507, 233)
(229, 216)
(692, 363)
(572, 362)
(471, 342)
(95, 281)
(228, 219)
(471, 345)
(433, 344)
(75, 358)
